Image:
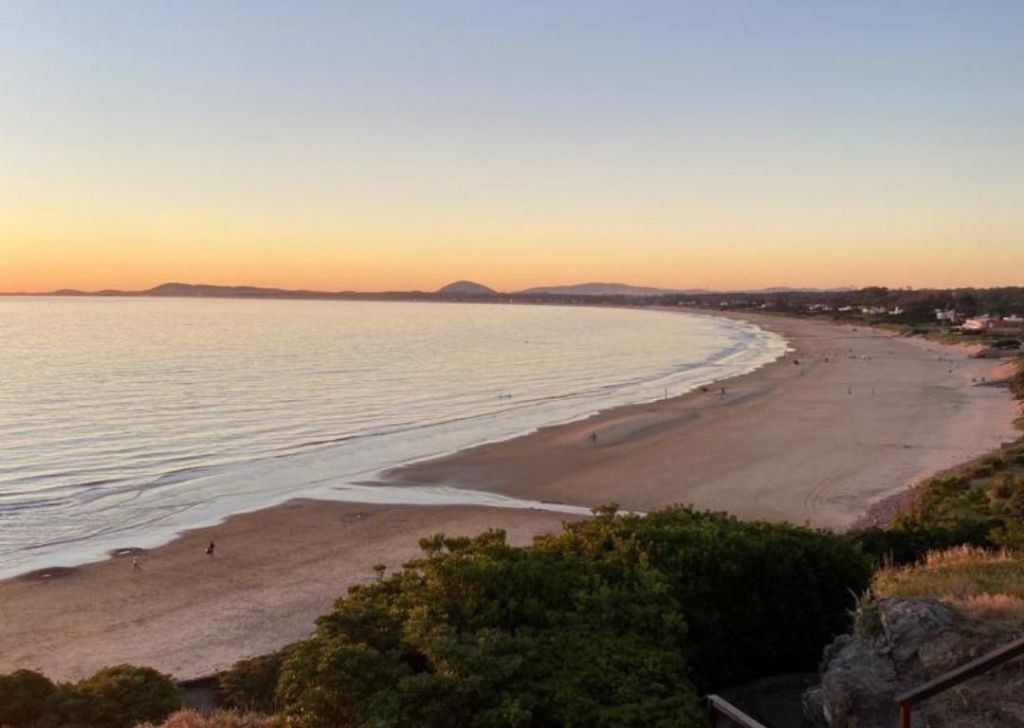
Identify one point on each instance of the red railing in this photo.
(995, 658)
(720, 708)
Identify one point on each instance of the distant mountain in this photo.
(602, 289)
(463, 288)
(191, 289)
(786, 289)
(466, 288)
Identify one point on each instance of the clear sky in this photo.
(392, 145)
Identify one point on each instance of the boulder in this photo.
(918, 640)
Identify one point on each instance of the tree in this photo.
(24, 698)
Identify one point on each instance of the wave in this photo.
(251, 447)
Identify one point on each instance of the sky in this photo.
(402, 145)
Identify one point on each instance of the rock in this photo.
(909, 624)
(920, 639)
(812, 702)
(858, 687)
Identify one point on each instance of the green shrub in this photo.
(115, 697)
(478, 633)
(118, 697)
(909, 542)
(758, 598)
(587, 627)
(250, 684)
(25, 698)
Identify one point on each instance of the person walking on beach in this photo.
(593, 436)
(210, 548)
(135, 564)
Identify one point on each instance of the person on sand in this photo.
(593, 436)
(135, 564)
(210, 548)
(723, 392)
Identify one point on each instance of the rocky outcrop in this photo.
(902, 643)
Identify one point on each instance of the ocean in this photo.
(124, 421)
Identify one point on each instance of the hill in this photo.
(466, 288)
(599, 289)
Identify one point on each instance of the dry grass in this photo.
(978, 582)
(220, 719)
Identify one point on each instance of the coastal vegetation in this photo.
(981, 504)
(115, 697)
(984, 583)
(619, 620)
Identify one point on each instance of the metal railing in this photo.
(721, 708)
(986, 662)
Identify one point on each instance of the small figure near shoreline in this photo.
(135, 564)
(210, 549)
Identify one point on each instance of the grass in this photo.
(220, 719)
(978, 582)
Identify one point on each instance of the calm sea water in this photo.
(125, 421)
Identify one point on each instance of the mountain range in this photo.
(457, 289)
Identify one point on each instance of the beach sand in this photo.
(849, 417)
(803, 439)
(274, 571)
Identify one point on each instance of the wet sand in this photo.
(850, 417)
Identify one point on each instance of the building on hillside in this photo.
(978, 323)
(947, 316)
(995, 324)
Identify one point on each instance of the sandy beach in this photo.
(849, 417)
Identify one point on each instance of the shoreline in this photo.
(326, 472)
(786, 442)
(559, 463)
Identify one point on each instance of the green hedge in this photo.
(115, 697)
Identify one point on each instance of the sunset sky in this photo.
(395, 145)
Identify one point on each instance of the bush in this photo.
(24, 698)
(584, 628)
(909, 542)
(250, 684)
(115, 697)
(478, 633)
(759, 598)
(119, 697)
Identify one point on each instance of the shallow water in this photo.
(126, 421)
